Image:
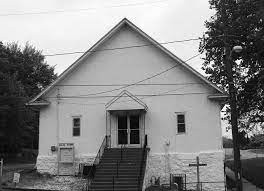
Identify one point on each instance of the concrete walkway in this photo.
(247, 186)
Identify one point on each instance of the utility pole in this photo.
(228, 61)
(1, 172)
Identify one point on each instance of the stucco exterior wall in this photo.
(49, 164)
(162, 165)
(122, 67)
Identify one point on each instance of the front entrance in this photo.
(128, 130)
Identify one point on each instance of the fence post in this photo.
(121, 152)
(117, 169)
(1, 172)
(113, 183)
(138, 184)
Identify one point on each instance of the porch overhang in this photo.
(127, 112)
(125, 101)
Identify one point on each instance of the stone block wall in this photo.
(162, 165)
(49, 164)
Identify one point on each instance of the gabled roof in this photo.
(38, 103)
(105, 38)
(126, 101)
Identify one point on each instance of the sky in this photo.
(59, 26)
(77, 25)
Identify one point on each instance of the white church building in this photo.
(127, 86)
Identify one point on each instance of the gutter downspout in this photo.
(58, 128)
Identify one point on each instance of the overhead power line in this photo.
(139, 95)
(147, 84)
(79, 10)
(148, 78)
(120, 48)
(134, 46)
(132, 84)
(141, 98)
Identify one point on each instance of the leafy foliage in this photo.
(256, 141)
(238, 23)
(23, 74)
(227, 143)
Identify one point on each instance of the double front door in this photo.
(128, 130)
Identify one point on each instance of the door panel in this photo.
(122, 130)
(134, 137)
(134, 129)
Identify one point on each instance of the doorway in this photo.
(128, 130)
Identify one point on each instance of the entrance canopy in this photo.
(125, 101)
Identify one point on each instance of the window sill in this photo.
(181, 133)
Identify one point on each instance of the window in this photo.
(179, 180)
(76, 126)
(181, 123)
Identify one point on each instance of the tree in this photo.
(23, 74)
(240, 23)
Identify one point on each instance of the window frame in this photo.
(75, 127)
(177, 126)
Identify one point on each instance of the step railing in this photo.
(105, 144)
(142, 163)
(117, 165)
(121, 152)
(113, 183)
(119, 162)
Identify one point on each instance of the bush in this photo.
(257, 141)
(227, 143)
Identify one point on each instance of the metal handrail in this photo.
(117, 164)
(121, 152)
(97, 160)
(113, 183)
(143, 158)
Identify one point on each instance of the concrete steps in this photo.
(128, 170)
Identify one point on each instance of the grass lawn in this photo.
(252, 170)
(257, 151)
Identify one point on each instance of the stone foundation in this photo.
(49, 164)
(162, 165)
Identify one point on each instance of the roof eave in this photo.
(218, 97)
(108, 35)
(125, 92)
(173, 56)
(45, 103)
(72, 66)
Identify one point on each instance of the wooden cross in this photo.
(197, 165)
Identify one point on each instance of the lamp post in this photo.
(228, 61)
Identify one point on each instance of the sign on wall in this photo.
(16, 177)
(66, 158)
(66, 153)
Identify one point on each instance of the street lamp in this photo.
(228, 61)
(237, 49)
